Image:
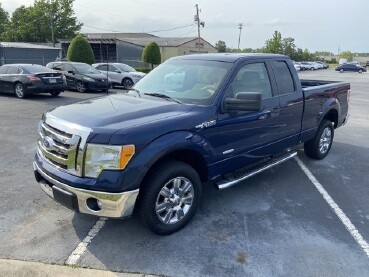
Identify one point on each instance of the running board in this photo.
(226, 183)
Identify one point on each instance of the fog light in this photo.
(94, 204)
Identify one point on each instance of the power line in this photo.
(154, 31)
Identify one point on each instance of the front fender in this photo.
(158, 148)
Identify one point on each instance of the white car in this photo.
(120, 74)
(297, 66)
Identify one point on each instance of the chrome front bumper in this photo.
(116, 205)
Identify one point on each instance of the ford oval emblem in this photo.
(48, 143)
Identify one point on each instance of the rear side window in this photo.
(102, 67)
(284, 78)
(3, 69)
(12, 70)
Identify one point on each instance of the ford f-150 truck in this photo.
(225, 119)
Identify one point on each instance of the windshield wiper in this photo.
(164, 96)
(135, 90)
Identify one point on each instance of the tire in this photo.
(341, 70)
(80, 86)
(360, 71)
(19, 90)
(55, 93)
(319, 147)
(160, 201)
(127, 83)
(312, 68)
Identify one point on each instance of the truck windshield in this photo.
(189, 81)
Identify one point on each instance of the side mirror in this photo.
(244, 101)
(71, 72)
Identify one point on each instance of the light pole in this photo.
(240, 25)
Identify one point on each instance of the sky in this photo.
(326, 25)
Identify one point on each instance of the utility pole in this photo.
(199, 23)
(52, 30)
(197, 18)
(240, 25)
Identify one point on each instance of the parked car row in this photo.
(25, 79)
(300, 66)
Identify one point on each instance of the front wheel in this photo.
(170, 197)
(127, 83)
(360, 71)
(80, 86)
(318, 148)
(341, 70)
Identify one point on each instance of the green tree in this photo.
(274, 45)
(80, 50)
(33, 23)
(289, 47)
(346, 55)
(4, 21)
(151, 54)
(221, 46)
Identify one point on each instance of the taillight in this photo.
(33, 78)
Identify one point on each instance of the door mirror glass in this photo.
(244, 101)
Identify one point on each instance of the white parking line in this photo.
(337, 210)
(82, 246)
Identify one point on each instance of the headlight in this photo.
(88, 79)
(110, 157)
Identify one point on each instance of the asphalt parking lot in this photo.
(275, 224)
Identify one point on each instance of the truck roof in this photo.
(228, 57)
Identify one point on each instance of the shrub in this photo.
(144, 70)
(80, 50)
(151, 54)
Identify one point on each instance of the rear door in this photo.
(291, 103)
(10, 78)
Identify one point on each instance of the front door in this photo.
(240, 138)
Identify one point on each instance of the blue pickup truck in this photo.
(221, 119)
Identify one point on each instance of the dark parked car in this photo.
(82, 76)
(367, 63)
(23, 79)
(350, 67)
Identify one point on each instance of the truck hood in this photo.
(118, 111)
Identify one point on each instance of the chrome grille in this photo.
(59, 148)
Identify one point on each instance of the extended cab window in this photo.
(284, 78)
(251, 78)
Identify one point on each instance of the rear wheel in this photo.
(80, 86)
(341, 70)
(19, 90)
(318, 148)
(170, 197)
(360, 71)
(127, 83)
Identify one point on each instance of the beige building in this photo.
(174, 46)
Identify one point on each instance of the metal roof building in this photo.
(20, 52)
(127, 47)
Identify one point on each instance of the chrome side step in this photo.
(223, 184)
